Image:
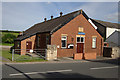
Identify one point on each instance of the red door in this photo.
(80, 47)
(28, 46)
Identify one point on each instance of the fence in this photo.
(35, 54)
(31, 54)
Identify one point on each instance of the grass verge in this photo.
(20, 58)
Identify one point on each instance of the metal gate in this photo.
(30, 54)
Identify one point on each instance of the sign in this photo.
(81, 33)
(31, 51)
(80, 29)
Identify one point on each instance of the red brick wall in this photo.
(79, 56)
(23, 44)
(71, 29)
(90, 56)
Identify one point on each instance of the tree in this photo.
(8, 38)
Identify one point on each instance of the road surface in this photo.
(88, 69)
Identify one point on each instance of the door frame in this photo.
(80, 42)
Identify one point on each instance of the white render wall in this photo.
(109, 31)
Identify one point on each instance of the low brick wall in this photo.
(79, 56)
(90, 55)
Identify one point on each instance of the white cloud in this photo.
(112, 17)
(101, 10)
(23, 15)
(92, 8)
(49, 2)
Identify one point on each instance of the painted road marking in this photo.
(40, 72)
(104, 67)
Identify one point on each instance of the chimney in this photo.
(61, 14)
(45, 19)
(51, 17)
(20, 33)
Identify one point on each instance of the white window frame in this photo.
(65, 40)
(80, 39)
(94, 46)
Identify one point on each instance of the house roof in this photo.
(107, 24)
(51, 25)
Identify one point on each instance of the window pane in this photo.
(63, 43)
(82, 39)
(38, 44)
(47, 39)
(94, 45)
(78, 39)
(63, 37)
(94, 39)
(93, 42)
(18, 45)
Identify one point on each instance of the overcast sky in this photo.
(19, 16)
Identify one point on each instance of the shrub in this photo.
(8, 38)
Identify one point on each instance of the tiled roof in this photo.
(51, 25)
(108, 24)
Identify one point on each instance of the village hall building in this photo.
(73, 34)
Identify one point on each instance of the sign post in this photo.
(12, 54)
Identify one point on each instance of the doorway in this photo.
(80, 44)
(28, 46)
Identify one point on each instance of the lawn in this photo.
(20, 58)
(6, 44)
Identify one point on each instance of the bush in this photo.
(8, 38)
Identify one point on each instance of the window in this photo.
(38, 41)
(18, 44)
(80, 39)
(47, 39)
(94, 42)
(64, 41)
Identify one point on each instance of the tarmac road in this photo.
(90, 69)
